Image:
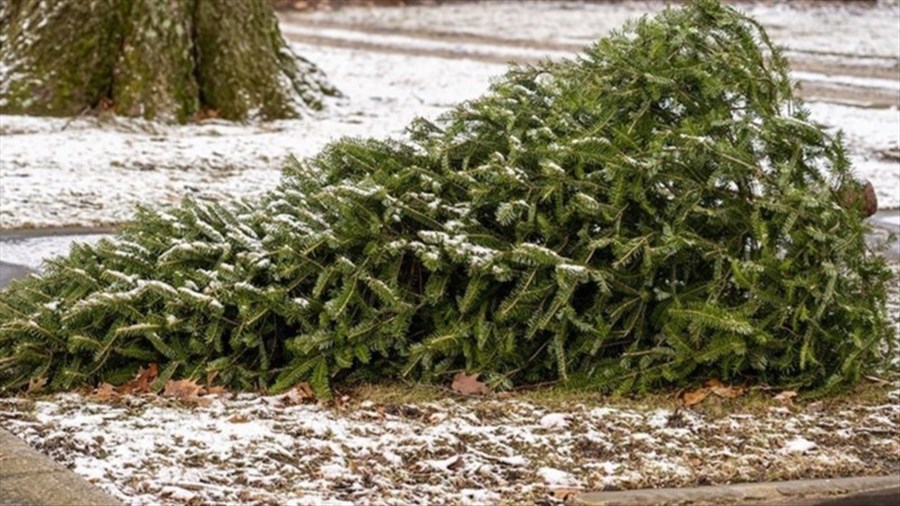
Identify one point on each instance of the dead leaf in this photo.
(563, 494)
(186, 390)
(216, 390)
(210, 388)
(105, 392)
(468, 384)
(786, 398)
(35, 385)
(301, 393)
(141, 384)
(106, 104)
(206, 113)
(341, 401)
(692, 397)
(717, 388)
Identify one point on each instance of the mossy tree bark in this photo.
(163, 59)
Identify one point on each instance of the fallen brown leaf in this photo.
(689, 398)
(786, 398)
(565, 493)
(141, 384)
(720, 390)
(468, 384)
(340, 401)
(186, 390)
(216, 390)
(105, 392)
(35, 385)
(206, 113)
(301, 393)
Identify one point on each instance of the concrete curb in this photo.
(29, 478)
(750, 493)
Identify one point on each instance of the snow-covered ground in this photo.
(396, 64)
(264, 450)
(56, 172)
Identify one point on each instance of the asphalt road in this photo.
(9, 272)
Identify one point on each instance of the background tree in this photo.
(165, 59)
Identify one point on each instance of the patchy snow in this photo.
(555, 421)
(866, 130)
(478, 496)
(96, 171)
(799, 445)
(254, 449)
(554, 477)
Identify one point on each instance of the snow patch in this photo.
(799, 445)
(555, 477)
(555, 421)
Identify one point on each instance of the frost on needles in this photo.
(656, 212)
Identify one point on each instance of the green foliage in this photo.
(657, 212)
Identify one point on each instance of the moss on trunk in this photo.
(56, 58)
(154, 72)
(164, 59)
(236, 73)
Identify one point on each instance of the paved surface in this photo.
(887, 497)
(28, 478)
(33, 240)
(9, 272)
(853, 491)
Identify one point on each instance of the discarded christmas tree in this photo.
(659, 211)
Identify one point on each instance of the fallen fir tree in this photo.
(658, 212)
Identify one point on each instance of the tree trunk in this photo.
(164, 59)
